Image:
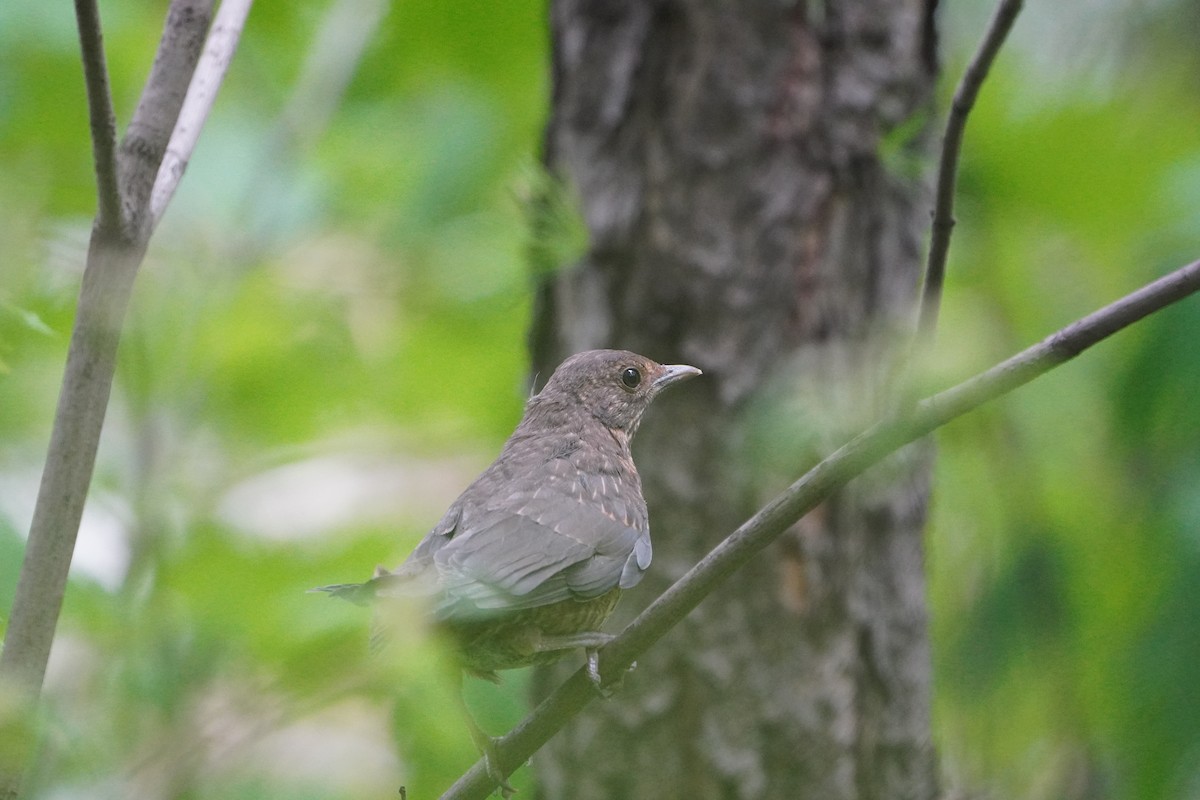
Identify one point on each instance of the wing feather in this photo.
(555, 534)
(546, 549)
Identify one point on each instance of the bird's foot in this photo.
(606, 690)
(491, 760)
(591, 642)
(487, 747)
(593, 673)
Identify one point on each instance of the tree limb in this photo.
(100, 114)
(956, 124)
(158, 108)
(198, 102)
(853, 458)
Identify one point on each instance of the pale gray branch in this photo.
(201, 94)
(158, 108)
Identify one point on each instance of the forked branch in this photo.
(124, 178)
(947, 178)
(201, 94)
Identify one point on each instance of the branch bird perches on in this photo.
(849, 461)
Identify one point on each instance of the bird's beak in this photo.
(674, 372)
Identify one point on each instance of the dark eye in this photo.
(631, 377)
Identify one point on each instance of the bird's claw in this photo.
(486, 746)
(606, 690)
(491, 761)
(593, 673)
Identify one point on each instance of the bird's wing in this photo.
(534, 548)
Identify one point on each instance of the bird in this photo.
(530, 560)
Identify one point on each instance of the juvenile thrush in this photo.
(529, 561)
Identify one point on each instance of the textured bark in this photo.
(729, 161)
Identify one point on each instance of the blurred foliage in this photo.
(327, 342)
(1064, 554)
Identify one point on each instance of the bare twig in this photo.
(853, 458)
(100, 114)
(201, 94)
(956, 123)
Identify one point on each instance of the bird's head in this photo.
(614, 386)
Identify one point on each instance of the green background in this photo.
(327, 342)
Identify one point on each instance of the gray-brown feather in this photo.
(542, 543)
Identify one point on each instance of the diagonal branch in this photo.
(852, 459)
(158, 108)
(102, 120)
(198, 102)
(956, 124)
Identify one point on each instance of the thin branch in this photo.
(102, 120)
(956, 124)
(201, 94)
(158, 108)
(87, 382)
(853, 458)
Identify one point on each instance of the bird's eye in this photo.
(631, 377)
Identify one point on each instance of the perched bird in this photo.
(530, 560)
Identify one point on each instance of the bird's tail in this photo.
(360, 594)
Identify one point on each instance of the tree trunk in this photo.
(744, 171)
